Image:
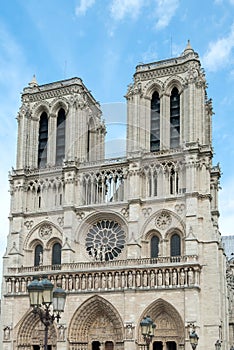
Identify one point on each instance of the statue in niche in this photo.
(182, 277)
(129, 331)
(7, 333)
(23, 286)
(190, 277)
(70, 283)
(167, 278)
(77, 282)
(103, 281)
(117, 280)
(174, 277)
(96, 281)
(123, 280)
(90, 281)
(152, 279)
(17, 286)
(61, 333)
(138, 279)
(83, 282)
(130, 280)
(9, 286)
(64, 282)
(109, 281)
(159, 278)
(145, 279)
(40, 258)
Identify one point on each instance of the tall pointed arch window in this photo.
(56, 254)
(155, 123)
(38, 255)
(154, 246)
(60, 137)
(42, 140)
(175, 245)
(174, 118)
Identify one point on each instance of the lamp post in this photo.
(147, 330)
(218, 345)
(193, 337)
(42, 295)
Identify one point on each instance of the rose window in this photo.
(105, 240)
(163, 220)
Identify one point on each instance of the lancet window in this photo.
(38, 255)
(60, 137)
(42, 140)
(154, 246)
(155, 123)
(174, 118)
(107, 186)
(175, 245)
(56, 254)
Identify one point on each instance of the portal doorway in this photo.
(109, 345)
(96, 345)
(157, 345)
(171, 345)
(38, 347)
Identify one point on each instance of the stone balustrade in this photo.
(136, 274)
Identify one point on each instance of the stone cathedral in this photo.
(125, 237)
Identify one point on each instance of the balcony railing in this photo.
(163, 272)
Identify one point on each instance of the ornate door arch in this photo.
(96, 322)
(170, 331)
(31, 334)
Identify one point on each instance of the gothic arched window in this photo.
(154, 246)
(155, 123)
(60, 137)
(174, 118)
(42, 140)
(175, 245)
(38, 255)
(56, 254)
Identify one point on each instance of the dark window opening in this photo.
(174, 118)
(42, 140)
(109, 345)
(56, 254)
(157, 345)
(60, 137)
(155, 123)
(171, 345)
(96, 345)
(38, 255)
(175, 245)
(154, 246)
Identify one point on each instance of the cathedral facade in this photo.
(125, 237)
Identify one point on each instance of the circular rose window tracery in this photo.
(105, 240)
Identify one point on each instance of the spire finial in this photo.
(188, 48)
(33, 82)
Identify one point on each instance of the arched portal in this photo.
(95, 325)
(169, 333)
(31, 334)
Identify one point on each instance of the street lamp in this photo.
(147, 330)
(218, 345)
(193, 337)
(42, 294)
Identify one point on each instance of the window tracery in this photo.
(105, 240)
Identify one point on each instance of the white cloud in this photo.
(122, 8)
(84, 6)
(219, 52)
(165, 10)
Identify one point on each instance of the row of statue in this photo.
(116, 280)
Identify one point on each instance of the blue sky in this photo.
(101, 42)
